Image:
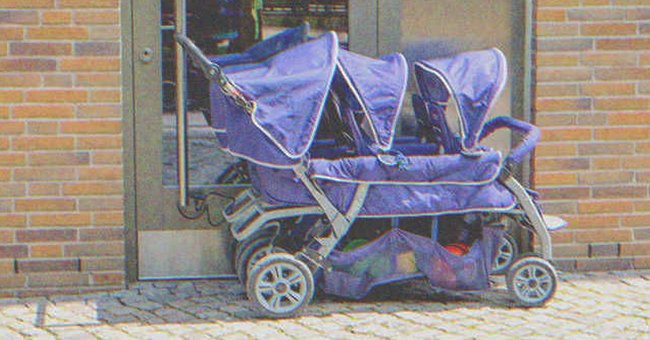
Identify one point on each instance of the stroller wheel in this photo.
(280, 286)
(241, 247)
(506, 254)
(252, 253)
(532, 281)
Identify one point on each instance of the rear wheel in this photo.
(507, 253)
(280, 286)
(532, 281)
(251, 252)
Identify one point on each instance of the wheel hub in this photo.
(532, 283)
(281, 288)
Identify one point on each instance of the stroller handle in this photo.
(531, 136)
(214, 72)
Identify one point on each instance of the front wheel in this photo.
(532, 281)
(280, 286)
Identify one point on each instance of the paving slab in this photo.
(587, 306)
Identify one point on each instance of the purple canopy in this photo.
(475, 79)
(290, 87)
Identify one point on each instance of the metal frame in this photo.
(181, 107)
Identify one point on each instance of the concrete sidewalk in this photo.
(601, 305)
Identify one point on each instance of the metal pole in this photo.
(181, 108)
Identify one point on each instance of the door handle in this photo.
(146, 55)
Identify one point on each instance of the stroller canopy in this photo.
(474, 79)
(290, 87)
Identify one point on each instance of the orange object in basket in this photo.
(458, 249)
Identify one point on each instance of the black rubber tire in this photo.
(531, 272)
(241, 246)
(263, 270)
(502, 268)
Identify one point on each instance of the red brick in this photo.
(7, 4)
(43, 111)
(620, 191)
(632, 118)
(91, 127)
(557, 59)
(89, 3)
(61, 220)
(57, 96)
(557, 29)
(20, 80)
(11, 33)
(11, 96)
(622, 104)
(563, 74)
(109, 219)
(13, 251)
(604, 207)
(94, 249)
(99, 111)
(101, 234)
(39, 48)
(57, 80)
(560, 135)
(564, 164)
(592, 222)
(36, 128)
(13, 221)
(592, 149)
(43, 143)
(551, 179)
(46, 251)
(45, 204)
(555, 150)
(556, 90)
(92, 189)
(7, 267)
(565, 193)
(103, 173)
(40, 280)
(43, 189)
(89, 64)
(108, 279)
(107, 158)
(636, 221)
(606, 163)
(12, 280)
(12, 159)
(555, 119)
(57, 18)
(624, 44)
(606, 177)
(637, 162)
(46, 235)
(607, 89)
(622, 134)
(99, 142)
(102, 264)
(101, 204)
(57, 33)
(44, 174)
(98, 80)
(12, 190)
(550, 15)
(595, 14)
(608, 29)
(15, 17)
(102, 17)
(36, 266)
(604, 235)
(623, 73)
(604, 264)
(95, 48)
(563, 105)
(609, 59)
(59, 158)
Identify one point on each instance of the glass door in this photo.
(171, 245)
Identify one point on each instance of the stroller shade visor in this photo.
(474, 79)
(290, 88)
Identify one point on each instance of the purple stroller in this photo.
(339, 202)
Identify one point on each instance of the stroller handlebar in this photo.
(214, 72)
(531, 136)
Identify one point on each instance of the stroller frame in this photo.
(250, 215)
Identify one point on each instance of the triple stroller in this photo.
(339, 201)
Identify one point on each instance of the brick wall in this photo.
(593, 104)
(61, 224)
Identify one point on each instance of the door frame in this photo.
(128, 138)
